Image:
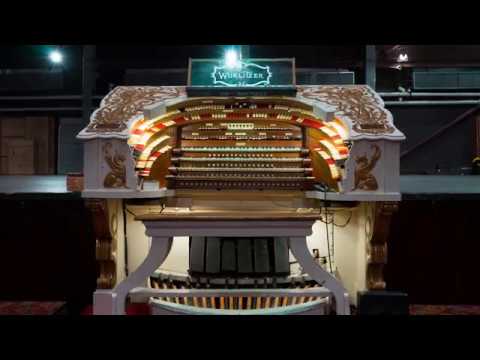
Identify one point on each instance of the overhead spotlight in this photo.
(232, 60)
(55, 57)
(402, 58)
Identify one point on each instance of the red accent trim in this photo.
(312, 123)
(179, 120)
(159, 126)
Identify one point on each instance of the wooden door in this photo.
(20, 157)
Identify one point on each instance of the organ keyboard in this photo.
(243, 136)
(252, 150)
(235, 155)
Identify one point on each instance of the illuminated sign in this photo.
(241, 73)
(246, 74)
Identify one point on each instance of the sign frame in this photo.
(253, 60)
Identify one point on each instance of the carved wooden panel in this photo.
(377, 230)
(104, 243)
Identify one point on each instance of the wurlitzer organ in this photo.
(241, 193)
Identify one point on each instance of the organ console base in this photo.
(164, 226)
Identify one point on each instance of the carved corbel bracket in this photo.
(104, 251)
(377, 243)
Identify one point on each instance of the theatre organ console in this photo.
(259, 144)
(318, 169)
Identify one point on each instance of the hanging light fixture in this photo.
(55, 56)
(403, 57)
(232, 59)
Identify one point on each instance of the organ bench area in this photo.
(272, 204)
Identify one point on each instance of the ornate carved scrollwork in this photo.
(377, 244)
(124, 102)
(364, 179)
(104, 251)
(359, 103)
(117, 177)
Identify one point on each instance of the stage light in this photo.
(402, 58)
(231, 59)
(56, 57)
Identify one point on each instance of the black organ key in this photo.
(197, 253)
(229, 256)
(261, 256)
(213, 254)
(281, 255)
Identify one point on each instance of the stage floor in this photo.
(39, 184)
(54, 308)
(412, 187)
(440, 187)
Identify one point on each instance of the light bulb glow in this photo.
(402, 58)
(55, 56)
(231, 59)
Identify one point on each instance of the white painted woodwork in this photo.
(163, 232)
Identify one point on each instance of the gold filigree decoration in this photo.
(357, 102)
(117, 177)
(125, 102)
(364, 179)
